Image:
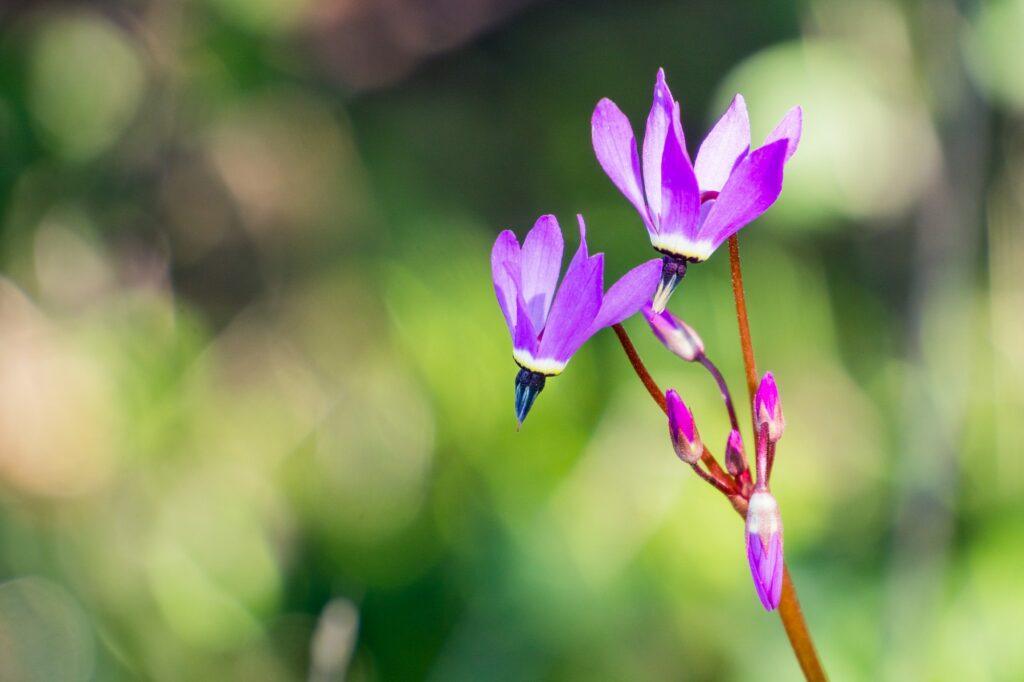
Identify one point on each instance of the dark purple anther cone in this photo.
(528, 387)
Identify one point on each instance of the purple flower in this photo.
(690, 209)
(682, 429)
(550, 321)
(676, 335)
(768, 408)
(764, 547)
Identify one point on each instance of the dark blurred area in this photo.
(256, 393)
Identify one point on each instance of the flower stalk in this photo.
(723, 387)
(790, 613)
(741, 317)
(789, 610)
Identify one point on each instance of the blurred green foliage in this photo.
(256, 394)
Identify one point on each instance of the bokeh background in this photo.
(256, 394)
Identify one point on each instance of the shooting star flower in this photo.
(549, 321)
(689, 209)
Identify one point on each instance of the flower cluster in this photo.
(689, 209)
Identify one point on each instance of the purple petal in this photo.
(778, 568)
(615, 147)
(575, 307)
(680, 195)
(628, 295)
(724, 147)
(540, 263)
(506, 251)
(789, 129)
(664, 114)
(524, 338)
(752, 188)
(581, 257)
(766, 567)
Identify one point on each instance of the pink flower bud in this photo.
(768, 407)
(675, 334)
(682, 429)
(764, 548)
(735, 459)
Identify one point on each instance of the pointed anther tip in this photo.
(528, 386)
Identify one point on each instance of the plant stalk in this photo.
(789, 607)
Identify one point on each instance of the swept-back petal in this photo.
(615, 147)
(752, 188)
(540, 263)
(524, 338)
(724, 147)
(575, 307)
(505, 260)
(680, 195)
(789, 129)
(628, 295)
(664, 115)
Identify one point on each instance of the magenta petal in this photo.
(682, 430)
(615, 147)
(505, 260)
(789, 129)
(540, 263)
(680, 195)
(524, 338)
(724, 147)
(751, 189)
(628, 295)
(575, 307)
(664, 115)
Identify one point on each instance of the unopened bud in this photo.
(768, 408)
(678, 337)
(682, 429)
(764, 548)
(735, 459)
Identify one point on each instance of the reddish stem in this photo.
(789, 608)
(741, 318)
(652, 387)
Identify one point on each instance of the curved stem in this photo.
(723, 387)
(639, 367)
(725, 487)
(659, 397)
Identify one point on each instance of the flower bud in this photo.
(676, 335)
(682, 429)
(768, 408)
(735, 459)
(764, 548)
